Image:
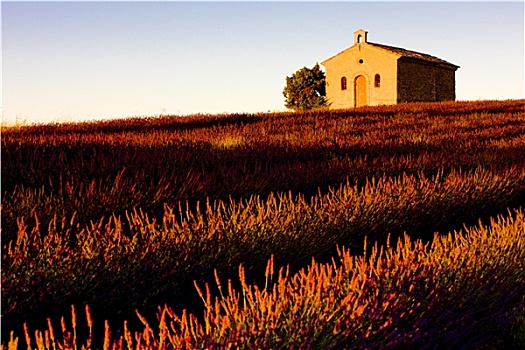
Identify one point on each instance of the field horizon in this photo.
(20, 121)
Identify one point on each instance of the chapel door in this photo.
(360, 91)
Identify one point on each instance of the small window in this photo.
(377, 81)
(361, 61)
(359, 38)
(343, 83)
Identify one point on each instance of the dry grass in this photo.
(456, 292)
(124, 215)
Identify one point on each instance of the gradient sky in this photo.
(71, 61)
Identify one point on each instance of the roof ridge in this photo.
(412, 54)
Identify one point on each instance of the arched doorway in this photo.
(360, 91)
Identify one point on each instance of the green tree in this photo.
(305, 89)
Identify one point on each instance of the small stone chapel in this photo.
(372, 74)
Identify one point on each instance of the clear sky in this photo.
(70, 61)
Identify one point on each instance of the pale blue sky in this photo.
(68, 61)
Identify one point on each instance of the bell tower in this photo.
(360, 36)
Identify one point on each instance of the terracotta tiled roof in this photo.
(413, 54)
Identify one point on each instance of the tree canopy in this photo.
(305, 89)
